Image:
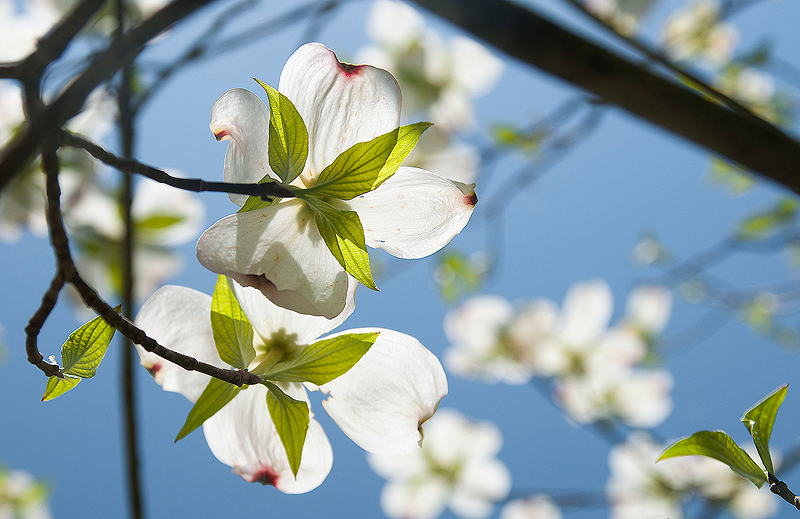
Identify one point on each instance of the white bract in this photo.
(456, 467)
(380, 403)
(537, 506)
(439, 78)
(22, 496)
(698, 33)
(281, 249)
(490, 340)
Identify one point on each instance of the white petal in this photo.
(401, 467)
(649, 308)
(278, 250)
(243, 436)
(242, 117)
(586, 311)
(382, 402)
(394, 24)
(537, 506)
(477, 323)
(340, 104)
(423, 499)
(474, 67)
(268, 318)
(414, 213)
(480, 484)
(179, 319)
(154, 199)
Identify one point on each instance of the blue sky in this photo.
(579, 221)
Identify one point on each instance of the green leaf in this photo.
(360, 168)
(158, 222)
(407, 138)
(256, 202)
(215, 396)
(291, 418)
(233, 333)
(57, 386)
(85, 348)
(344, 235)
(720, 446)
(759, 420)
(458, 275)
(324, 360)
(761, 225)
(288, 136)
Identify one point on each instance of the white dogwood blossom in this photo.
(437, 77)
(280, 248)
(381, 403)
(698, 33)
(456, 467)
(537, 506)
(22, 496)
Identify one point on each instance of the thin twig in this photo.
(780, 489)
(66, 269)
(35, 326)
(266, 190)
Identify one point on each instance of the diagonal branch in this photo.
(524, 34)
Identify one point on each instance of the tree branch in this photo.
(524, 34)
(780, 489)
(68, 272)
(119, 53)
(266, 190)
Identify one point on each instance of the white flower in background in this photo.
(20, 30)
(754, 89)
(22, 496)
(717, 482)
(491, 340)
(456, 467)
(648, 309)
(581, 341)
(533, 507)
(623, 15)
(163, 217)
(22, 203)
(639, 487)
(380, 403)
(448, 157)
(699, 33)
(439, 78)
(279, 248)
(636, 397)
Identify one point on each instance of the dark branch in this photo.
(35, 326)
(780, 489)
(524, 34)
(119, 54)
(265, 190)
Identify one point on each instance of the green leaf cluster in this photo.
(81, 354)
(763, 224)
(458, 275)
(759, 421)
(318, 363)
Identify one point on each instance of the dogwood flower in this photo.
(538, 506)
(281, 249)
(380, 403)
(493, 341)
(22, 496)
(439, 78)
(163, 217)
(456, 467)
(698, 32)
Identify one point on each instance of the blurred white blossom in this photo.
(534, 507)
(22, 496)
(456, 467)
(438, 77)
(623, 15)
(698, 32)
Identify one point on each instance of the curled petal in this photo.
(268, 318)
(178, 318)
(382, 402)
(243, 436)
(341, 104)
(242, 117)
(414, 213)
(278, 250)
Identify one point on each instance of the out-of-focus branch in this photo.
(119, 53)
(524, 34)
(265, 190)
(69, 274)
